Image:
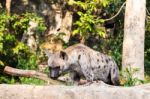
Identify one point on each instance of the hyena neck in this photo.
(73, 58)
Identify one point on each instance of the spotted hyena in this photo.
(81, 60)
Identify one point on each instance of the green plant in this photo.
(27, 61)
(128, 79)
(89, 23)
(13, 51)
(31, 81)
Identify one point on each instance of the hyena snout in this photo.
(54, 72)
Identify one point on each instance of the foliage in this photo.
(13, 51)
(128, 79)
(33, 81)
(147, 43)
(89, 23)
(27, 62)
(116, 47)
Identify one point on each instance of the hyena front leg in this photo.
(88, 73)
(74, 78)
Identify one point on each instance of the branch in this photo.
(30, 73)
(147, 12)
(116, 13)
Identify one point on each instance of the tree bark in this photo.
(62, 23)
(134, 34)
(29, 73)
(8, 6)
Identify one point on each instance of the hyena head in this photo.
(57, 63)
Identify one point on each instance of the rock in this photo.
(94, 91)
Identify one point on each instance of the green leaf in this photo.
(75, 32)
(1, 63)
(20, 46)
(71, 2)
(1, 47)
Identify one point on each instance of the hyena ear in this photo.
(48, 53)
(63, 55)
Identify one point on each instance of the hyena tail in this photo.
(115, 76)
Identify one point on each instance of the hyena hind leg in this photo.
(115, 76)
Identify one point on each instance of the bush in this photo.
(89, 23)
(128, 79)
(13, 51)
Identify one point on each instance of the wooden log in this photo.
(30, 73)
(35, 74)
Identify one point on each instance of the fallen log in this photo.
(30, 73)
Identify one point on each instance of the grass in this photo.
(32, 81)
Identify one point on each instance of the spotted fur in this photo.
(81, 60)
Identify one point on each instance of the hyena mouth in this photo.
(54, 72)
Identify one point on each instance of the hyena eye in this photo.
(56, 67)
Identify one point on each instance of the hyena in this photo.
(81, 60)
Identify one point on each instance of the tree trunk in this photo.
(134, 34)
(62, 23)
(8, 6)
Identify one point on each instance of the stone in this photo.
(94, 91)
